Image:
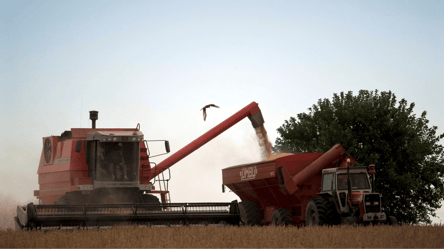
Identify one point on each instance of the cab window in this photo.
(358, 181)
(327, 182)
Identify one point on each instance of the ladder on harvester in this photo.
(159, 178)
(163, 183)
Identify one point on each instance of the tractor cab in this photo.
(338, 178)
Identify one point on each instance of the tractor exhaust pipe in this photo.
(93, 115)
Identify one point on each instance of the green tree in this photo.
(376, 129)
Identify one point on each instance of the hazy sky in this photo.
(158, 63)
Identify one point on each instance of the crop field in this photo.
(229, 237)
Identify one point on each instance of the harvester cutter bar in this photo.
(39, 216)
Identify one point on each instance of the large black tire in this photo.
(321, 211)
(391, 220)
(349, 221)
(32, 216)
(115, 196)
(250, 213)
(72, 198)
(281, 217)
(151, 199)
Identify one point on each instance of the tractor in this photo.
(347, 197)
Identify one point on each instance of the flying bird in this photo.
(205, 111)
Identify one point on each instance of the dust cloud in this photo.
(265, 145)
(8, 206)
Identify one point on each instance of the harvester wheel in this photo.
(320, 212)
(281, 217)
(72, 198)
(250, 213)
(151, 199)
(392, 221)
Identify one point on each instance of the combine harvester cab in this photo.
(101, 177)
(306, 189)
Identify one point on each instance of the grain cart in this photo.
(101, 177)
(306, 188)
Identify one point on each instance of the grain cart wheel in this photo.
(316, 213)
(392, 221)
(281, 217)
(250, 213)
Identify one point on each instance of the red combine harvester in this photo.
(101, 177)
(306, 188)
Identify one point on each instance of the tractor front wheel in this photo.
(250, 213)
(281, 217)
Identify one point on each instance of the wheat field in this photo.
(229, 237)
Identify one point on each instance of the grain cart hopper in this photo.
(101, 177)
(306, 188)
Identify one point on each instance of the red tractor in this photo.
(306, 188)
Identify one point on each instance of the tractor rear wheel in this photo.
(320, 211)
(281, 217)
(250, 213)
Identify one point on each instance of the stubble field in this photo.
(229, 237)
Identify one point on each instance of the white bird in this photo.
(204, 110)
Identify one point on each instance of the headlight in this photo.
(376, 203)
(368, 203)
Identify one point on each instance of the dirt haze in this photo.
(8, 206)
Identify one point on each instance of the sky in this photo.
(158, 63)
